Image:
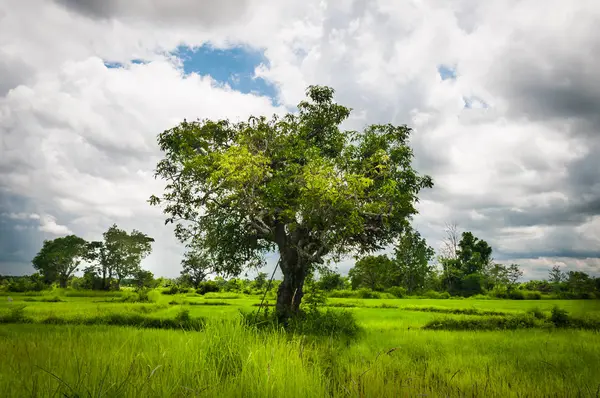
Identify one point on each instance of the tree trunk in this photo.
(289, 295)
(63, 282)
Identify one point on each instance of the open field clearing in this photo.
(59, 346)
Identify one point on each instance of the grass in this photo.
(82, 347)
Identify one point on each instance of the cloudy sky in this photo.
(504, 97)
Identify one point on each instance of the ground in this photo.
(392, 357)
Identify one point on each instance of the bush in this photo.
(174, 289)
(532, 295)
(207, 287)
(315, 322)
(516, 295)
(432, 294)
(488, 323)
(342, 294)
(367, 294)
(559, 317)
(397, 291)
(536, 313)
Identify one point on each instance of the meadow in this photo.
(93, 344)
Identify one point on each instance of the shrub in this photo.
(316, 323)
(207, 287)
(488, 323)
(559, 317)
(532, 295)
(516, 295)
(536, 313)
(397, 291)
(365, 293)
(342, 294)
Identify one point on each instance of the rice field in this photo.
(57, 347)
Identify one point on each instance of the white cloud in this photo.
(79, 140)
(48, 224)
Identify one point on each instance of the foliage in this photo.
(119, 255)
(59, 258)
(411, 262)
(330, 280)
(372, 272)
(196, 267)
(295, 183)
(207, 287)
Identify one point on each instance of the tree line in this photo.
(109, 261)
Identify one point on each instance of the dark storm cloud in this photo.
(205, 12)
(19, 237)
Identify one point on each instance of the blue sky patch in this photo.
(447, 72)
(234, 66)
(475, 103)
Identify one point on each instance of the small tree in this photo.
(59, 258)
(143, 279)
(372, 272)
(330, 280)
(196, 267)
(556, 275)
(260, 281)
(412, 257)
(513, 274)
(296, 184)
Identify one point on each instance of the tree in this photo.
(450, 242)
(372, 272)
(462, 274)
(120, 254)
(59, 258)
(473, 253)
(513, 273)
(412, 257)
(196, 267)
(296, 184)
(261, 280)
(330, 280)
(556, 275)
(143, 278)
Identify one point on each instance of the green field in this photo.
(392, 356)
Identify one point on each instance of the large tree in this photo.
(296, 184)
(120, 254)
(59, 258)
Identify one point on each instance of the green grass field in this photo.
(392, 356)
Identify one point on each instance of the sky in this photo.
(503, 97)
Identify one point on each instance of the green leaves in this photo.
(237, 190)
(59, 258)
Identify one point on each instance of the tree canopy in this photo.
(297, 184)
(58, 259)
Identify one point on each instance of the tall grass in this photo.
(227, 359)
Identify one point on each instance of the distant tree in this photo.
(473, 257)
(196, 267)
(556, 275)
(497, 276)
(143, 278)
(329, 280)
(473, 253)
(260, 281)
(513, 274)
(372, 272)
(450, 242)
(59, 258)
(579, 283)
(411, 262)
(119, 255)
(297, 184)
